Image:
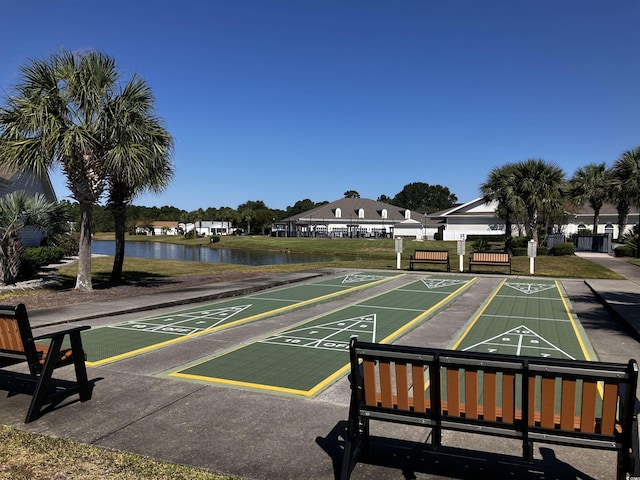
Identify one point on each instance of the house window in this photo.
(582, 228)
(383, 214)
(361, 213)
(407, 214)
(338, 213)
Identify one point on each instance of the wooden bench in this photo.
(17, 344)
(498, 259)
(430, 256)
(565, 402)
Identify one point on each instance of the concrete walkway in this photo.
(256, 435)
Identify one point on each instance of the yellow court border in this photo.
(338, 373)
(251, 318)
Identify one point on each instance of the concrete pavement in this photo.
(256, 435)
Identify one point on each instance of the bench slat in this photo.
(609, 408)
(471, 393)
(385, 383)
(588, 413)
(402, 386)
(10, 339)
(490, 395)
(419, 398)
(369, 378)
(508, 397)
(568, 404)
(453, 392)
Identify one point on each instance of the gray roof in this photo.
(350, 208)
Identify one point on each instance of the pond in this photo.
(169, 251)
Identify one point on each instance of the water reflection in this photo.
(168, 251)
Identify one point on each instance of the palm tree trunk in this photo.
(83, 280)
(120, 219)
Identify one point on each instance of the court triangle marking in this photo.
(442, 282)
(530, 288)
(524, 338)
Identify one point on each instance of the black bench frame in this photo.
(386, 379)
(439, 257)
(17, 344)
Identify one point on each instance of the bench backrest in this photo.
(500, 257)
(430, 386)
(431, 255)
(16, 337)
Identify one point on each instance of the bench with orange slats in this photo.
(556, 401)
(439, 257)
(17, 344)
(496, 259)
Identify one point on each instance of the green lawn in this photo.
(365, 253)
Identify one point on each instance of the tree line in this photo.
(254, 216)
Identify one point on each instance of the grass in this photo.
(28, 456)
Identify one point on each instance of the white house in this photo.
(356, 217)
(477, 218)
(207, 228)
(471, 218)
(159, 228)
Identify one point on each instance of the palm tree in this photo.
(137, 159)
(500, 187)
(626, 177)
(618, 195)
(540, 186)
(590, 184)
(55, 118)
(17, 211)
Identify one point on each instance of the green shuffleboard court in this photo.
(526, 317)
(305, 359)
(123, 340)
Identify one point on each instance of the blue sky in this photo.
(285, 100)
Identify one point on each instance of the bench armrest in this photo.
(62, 333)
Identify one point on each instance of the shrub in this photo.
(214, 238)
(480, 245)
(567, 248)
(33, 259)
(68, 244)
(519, 242)
(624, 251)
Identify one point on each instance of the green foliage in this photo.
(520, 242)
(624, 251)
(214, 238)
(68, 243)
(567, 248)
(422, 197)
(33, 259)
(480, 245)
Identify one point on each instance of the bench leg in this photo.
(80, 367)
(40, 394)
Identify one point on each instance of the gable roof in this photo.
(349, 209)
(14, 180)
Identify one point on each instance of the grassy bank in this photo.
(355, 253)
